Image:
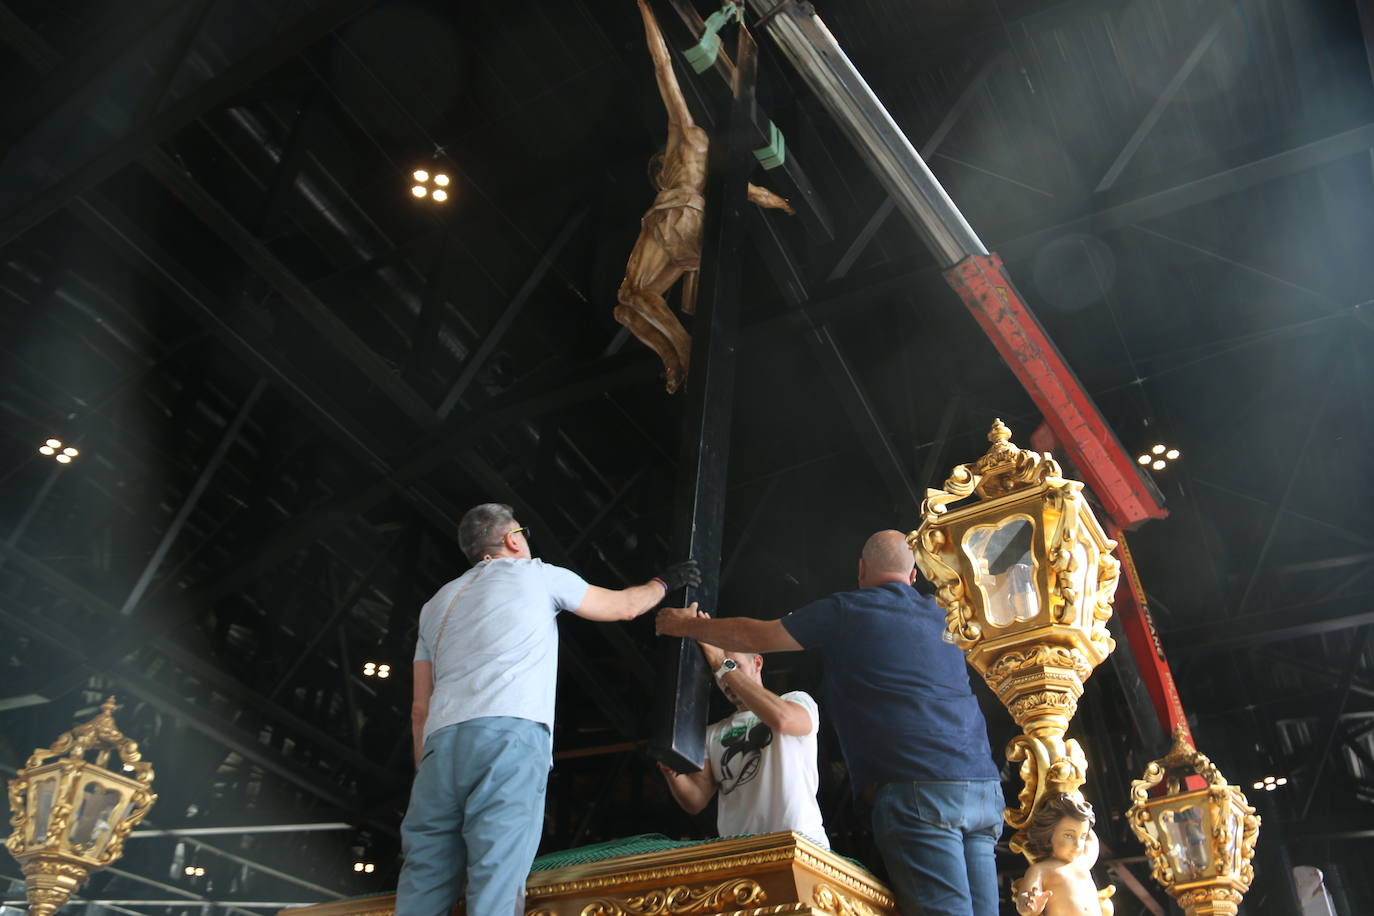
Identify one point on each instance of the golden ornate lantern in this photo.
(1200, 842)
(71, 816)
(1026, 578)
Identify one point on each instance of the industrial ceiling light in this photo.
(195, 871)
(1270, 783)
(62, 454)
(430, 185)
(367, 867)
(372, 669)
(1158, 457)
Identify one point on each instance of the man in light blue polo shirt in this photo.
(486, 663)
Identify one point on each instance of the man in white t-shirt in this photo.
(486, 663)
(761, 759)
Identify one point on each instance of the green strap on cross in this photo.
(702, 55)
(775, 153)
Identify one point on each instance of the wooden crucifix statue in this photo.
(669, 243)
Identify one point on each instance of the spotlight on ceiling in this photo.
(366, 867)
(62, 454)
(1158, 457)
(429, 184)
(1270, 783)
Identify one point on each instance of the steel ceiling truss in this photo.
(138, 138)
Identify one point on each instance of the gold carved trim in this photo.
(831, 900)
(681, 900)
(1062, 702)
(854, 882)
(666, 865)
(667, 872)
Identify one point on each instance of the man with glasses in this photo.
(486, 662)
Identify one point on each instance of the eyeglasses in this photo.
(525, 530)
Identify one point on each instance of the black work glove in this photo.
(680, 574)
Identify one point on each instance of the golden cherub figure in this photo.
(669, 243)
(1059, 882)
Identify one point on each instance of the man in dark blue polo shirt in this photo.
(909, 725)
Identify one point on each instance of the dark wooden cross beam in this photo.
(679, 733)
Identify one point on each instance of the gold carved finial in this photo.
(999, 432)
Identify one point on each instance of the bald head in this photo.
(886, 558)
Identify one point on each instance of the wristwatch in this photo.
(725, 668)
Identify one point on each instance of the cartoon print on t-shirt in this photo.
(747, 742)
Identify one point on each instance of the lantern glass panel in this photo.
(1004, 569)
(43, 795)
(95, 816)
(1185, 840)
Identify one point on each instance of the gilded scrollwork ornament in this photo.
(681, 900)
(832, 900)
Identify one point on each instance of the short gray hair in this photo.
(482, 528)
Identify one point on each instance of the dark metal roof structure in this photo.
(287, 378)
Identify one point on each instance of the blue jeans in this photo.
(475, 817)
(936, 838)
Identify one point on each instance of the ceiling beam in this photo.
(98, 50)
(191, 663)
(1162, 101)
(1281, 283)
(1315, 669)
(1121, 208)
(1331, 719)
(310, 307)
(199, 718)
(138, 139)
(1284, 624)
(192, 499)
(493, 337)
(1299, 465)
(1354, 536)
(844, 381)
